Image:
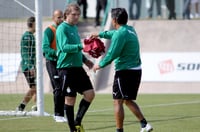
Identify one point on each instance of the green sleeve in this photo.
(46, 43)
(107, 34)
(114, 50)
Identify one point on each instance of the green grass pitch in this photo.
(165, 112)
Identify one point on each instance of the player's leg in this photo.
(34, 96)
(119, 114)
(28, 96)
(31, 93)
(84, 104)
(134, 108)
(69, 105)
(85, 88)
(130, 82)
(118, 101)
(57, 91)
(70, 96)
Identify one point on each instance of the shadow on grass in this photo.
(176, 118)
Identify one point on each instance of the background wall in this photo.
(17, 11)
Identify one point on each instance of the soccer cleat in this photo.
(64, 119)
(147, 128)
(34, 108)
(79, 128)
(60, 119)
(21, 107)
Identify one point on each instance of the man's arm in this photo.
(87, 62)
(46, 42)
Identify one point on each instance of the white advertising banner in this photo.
(173, 67)
(9, 66)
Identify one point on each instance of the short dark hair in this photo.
(120, 15)
(30, 21)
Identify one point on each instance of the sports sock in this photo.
(65, 109)
(120, 130)
(21, 106)
(143, 123)
(70, 116)
(83, 107)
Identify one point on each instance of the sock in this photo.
(22, 106)
(70, 116)
(143, 123)
(120, 130)
(65, 108)
(83, 107)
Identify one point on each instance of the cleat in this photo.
(147, 128)
(60, 119)
(64, 119)
(34, 108)
(21, 107)
(79, 128)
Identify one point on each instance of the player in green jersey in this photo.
(70, 65)
(125, 52)
(49, 52)
(28, 63)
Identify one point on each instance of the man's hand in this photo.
(89, 64)
(94, 35)
(96, 67)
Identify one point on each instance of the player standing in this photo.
(49, 51)
(125, 51)
(70, 65)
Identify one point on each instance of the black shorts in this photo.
(74, 80)
(31, 79)
(126, 84)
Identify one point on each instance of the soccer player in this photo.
(70, 68)
(28, 63)
(49, 51)
(125, 51)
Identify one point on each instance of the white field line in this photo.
(148, 106)
(172, 104)
(110, 109)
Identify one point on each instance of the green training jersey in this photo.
(69, 47)
(48, 37)
(124, 48)
(28, 51)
